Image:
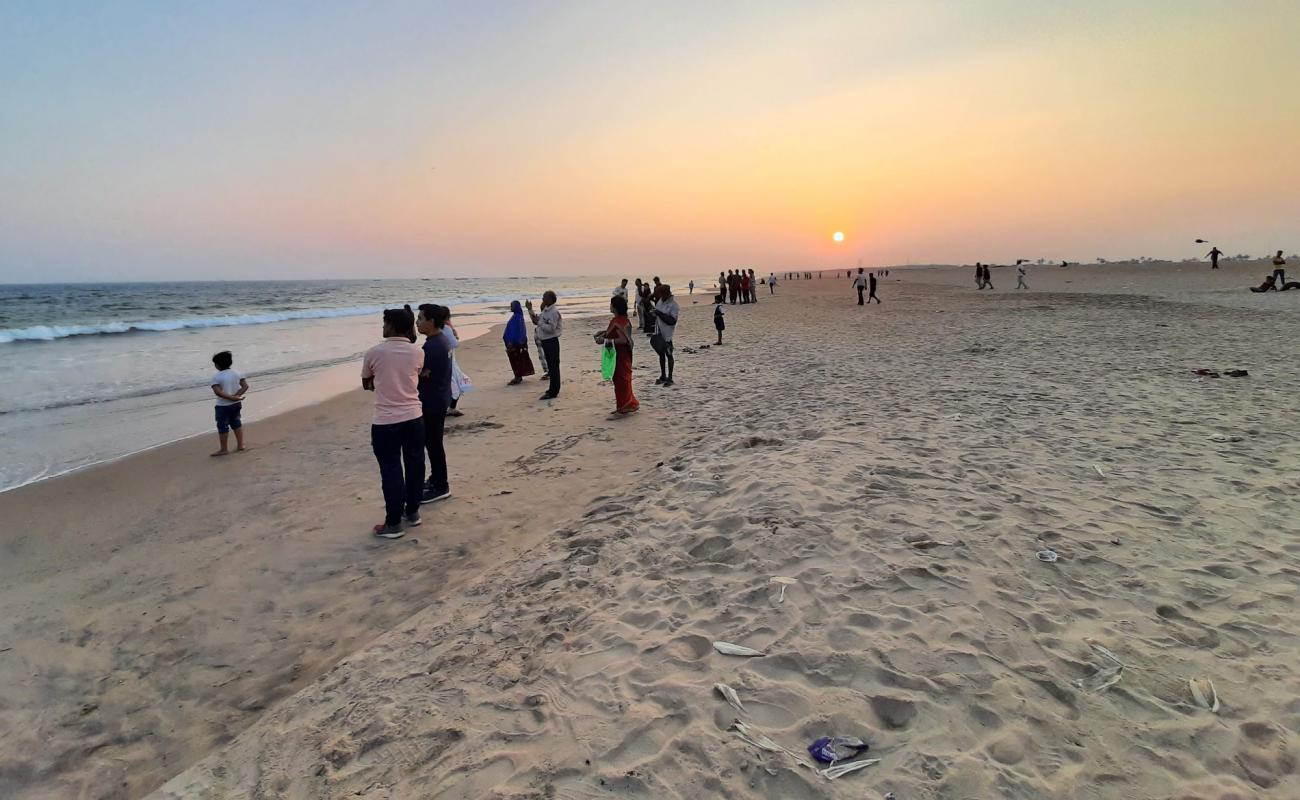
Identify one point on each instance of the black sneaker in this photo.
(668, 382)
(433, 496)
(413, 520)
(389, 531)
(659, 380)
(549, 396)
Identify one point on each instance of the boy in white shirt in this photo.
(229, 387)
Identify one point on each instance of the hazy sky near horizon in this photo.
(331, 139)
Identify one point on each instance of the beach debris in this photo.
(784, 583)
(752, 736)
(830, 749)
(1100, 474)
(1204, 694)
(729, 649)
(926, 544)
(1236, 373)
(729, 694)
(1223, 437)
(1206, 373)
(840, 770)
(1105, 677)
(1048, 556)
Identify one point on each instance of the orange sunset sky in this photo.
(348, 140)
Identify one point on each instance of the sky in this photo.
(186, 140)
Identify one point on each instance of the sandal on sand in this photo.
(384, 531)
(455, 412)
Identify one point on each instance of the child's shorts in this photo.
(228, 417)
(719, 324)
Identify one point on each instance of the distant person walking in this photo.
(435, 397)
(871, 288)
(666, 313)
(618, 334)
(860, 283)
(1214, 254)
(391, 369)
(690, 287)
(979, 275)
(771, 283)
(550, 325)
(1279, 269)
(230, 387)
(1020, 276)
(988, 278)
(460, 382)
(516, 339)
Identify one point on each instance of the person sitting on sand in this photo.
(516, 339)
(230, 387)
(391, 369)
(619, 335)
(1279, 273)
(1269, 284)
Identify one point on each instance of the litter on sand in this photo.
(1223, 437)
(1105, 677)
(729, 649)
(1204, 694)
(830, 749)
(1048, 556)
(752, 736)
(784, 583)
(1101, 474)
(729, 694)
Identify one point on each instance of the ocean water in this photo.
(98, 371)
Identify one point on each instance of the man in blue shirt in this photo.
(435, 394)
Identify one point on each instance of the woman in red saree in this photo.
(619, 334)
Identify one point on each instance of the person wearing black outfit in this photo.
(435, 397)
(871, 286)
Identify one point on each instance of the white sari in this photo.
(460, 382)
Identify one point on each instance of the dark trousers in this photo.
(872, 295)
(434, 422)
(860, 300)
(399, 449)
(551, 347)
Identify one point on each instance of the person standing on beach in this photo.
(460, 382)
(1214, 254)
(634, 302)
(860, 283)
(744, 287)
(621, 289)
(1279, 269)
(871, 289)
(647, 309)
(753, 287)
(666, 313)
(1020, 274)
(618, 334)
(516, 339)
(979, 275)
(719, 312)
(435, 396)
(391, 369)
(230, 387)
(690, 287)
(549, 327)
(771, 283)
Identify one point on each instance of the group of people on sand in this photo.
(740, 286)
(865, 284)
(1277, 282)
(659, 313)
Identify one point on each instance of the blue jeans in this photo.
(399, 449)
(228, 418)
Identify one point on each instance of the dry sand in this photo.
(902, 462)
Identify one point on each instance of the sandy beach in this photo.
(183, 627)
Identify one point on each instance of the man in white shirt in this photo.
(860, 283)
(666, 313)
(621, 289)
(549, 327)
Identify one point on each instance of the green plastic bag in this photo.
(607, 359)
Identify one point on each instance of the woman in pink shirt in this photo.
(391, 369)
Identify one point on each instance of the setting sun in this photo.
(838, 236)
